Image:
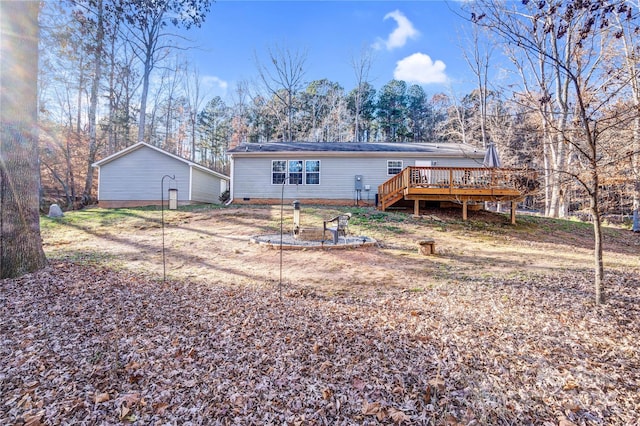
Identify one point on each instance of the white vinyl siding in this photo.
(252, 178)
(329, 173)
(204, 188)
(138, 176)
(252, 175)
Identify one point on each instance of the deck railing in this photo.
(455, 180)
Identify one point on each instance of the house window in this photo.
(295, 172)
(312, 172)
(394, 167)
(278, 172)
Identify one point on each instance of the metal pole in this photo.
(281, 232)
(164, 266)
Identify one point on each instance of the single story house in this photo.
(135, 176)
(333, 173)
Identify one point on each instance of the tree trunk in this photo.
(93, 106)
(72, 181)
(20, 243)
(143, 97)
(597, 251)
(635, 162)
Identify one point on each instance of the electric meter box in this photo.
(358, 182)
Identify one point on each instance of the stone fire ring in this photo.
(291, 243)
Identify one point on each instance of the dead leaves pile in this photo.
(81, 344)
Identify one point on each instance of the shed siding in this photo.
(205, 188)
(252, 176)
(138, 176)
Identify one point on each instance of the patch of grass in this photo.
(96, 216)
(106, 217)
(393, 229)
(85, 257)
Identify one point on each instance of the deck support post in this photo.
(514, 206)
(416, 207)
(464, 210)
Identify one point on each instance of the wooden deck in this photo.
(461, 185)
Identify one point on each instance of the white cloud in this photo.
(400, 34)
(214, 84)
(420, 68)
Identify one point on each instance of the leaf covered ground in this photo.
(93, 340)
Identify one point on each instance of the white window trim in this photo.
(395, 161)
(304, 172)
(319, 173)
(286, 171)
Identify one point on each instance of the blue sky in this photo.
(415, 41)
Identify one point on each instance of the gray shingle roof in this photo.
(350, 147)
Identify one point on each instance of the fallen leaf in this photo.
(102, 397)
(427, 395)
(370, 409)
(160, 408)
(398, 416)
(563, 421)
(437, 383)
(570, 385)
(130, 398)
(35, 419)
(124, 411)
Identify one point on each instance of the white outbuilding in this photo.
(143, 174)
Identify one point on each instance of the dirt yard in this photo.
(212, 246)
(498, 327)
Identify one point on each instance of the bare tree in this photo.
(361, 68)
(240, 112)
(151, 42)
(20, 242)
(98, 47)
(580, 30)
(478, 57)
(626, 35)
(283, 79)
(195, 97)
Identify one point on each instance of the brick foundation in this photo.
(303, 202)
(116, 204)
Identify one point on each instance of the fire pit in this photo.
(308, 241)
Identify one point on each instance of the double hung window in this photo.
(394, 167)
(278, 172)
(312, 172)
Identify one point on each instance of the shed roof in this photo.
(454, 149)
(139, 145)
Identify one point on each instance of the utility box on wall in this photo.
(358, 182)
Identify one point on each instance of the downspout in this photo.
(228, 203)
(190, 184)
